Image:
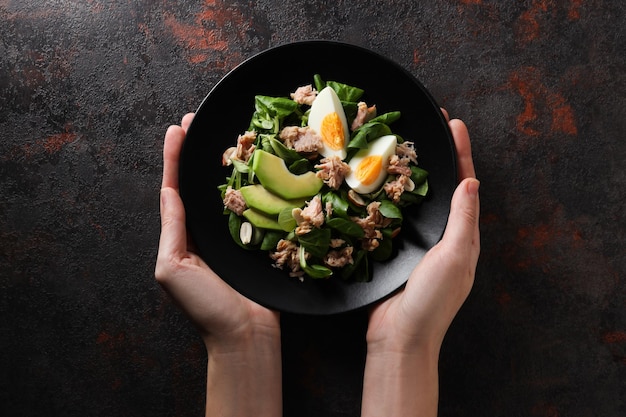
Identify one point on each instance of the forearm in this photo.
(245, 379)
(401, 384)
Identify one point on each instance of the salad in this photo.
(319, 181)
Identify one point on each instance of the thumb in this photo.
(173, 240)
(462, 229)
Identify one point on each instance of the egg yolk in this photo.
(332, 131)
(368, 169)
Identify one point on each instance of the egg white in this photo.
(385, 147)
(324, 104)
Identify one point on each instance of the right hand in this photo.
(421, 313)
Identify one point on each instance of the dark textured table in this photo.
(87, 90)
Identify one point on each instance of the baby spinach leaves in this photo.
(339, 230)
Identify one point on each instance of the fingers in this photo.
(186, 122)
(463, 146)
(462, 229)
(445, 114)
(210, 303)
(465, 163)
(174, 137)
(173, 240)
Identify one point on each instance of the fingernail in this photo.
(472, 187)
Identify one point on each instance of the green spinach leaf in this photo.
(316, 242)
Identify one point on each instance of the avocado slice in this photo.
(261, 220)
(275, 177)
(259, 198)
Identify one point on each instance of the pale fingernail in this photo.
(472, 187)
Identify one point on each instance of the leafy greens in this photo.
(312, 248)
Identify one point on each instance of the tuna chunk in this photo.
(286, 256)
(234, 201)
(301, 139)
(309, 217)
(304, 95)
(332, 171)
(363, 115)
(242, 152)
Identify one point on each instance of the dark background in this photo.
(87, 90)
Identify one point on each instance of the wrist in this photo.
(394, 342)
(401, 379)
(248, 338)
(394, 351)
(244, 365)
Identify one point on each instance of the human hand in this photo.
(218, 310)
(242, 338)
(440, 283)
(405, 332)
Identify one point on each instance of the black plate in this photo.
(226, 112)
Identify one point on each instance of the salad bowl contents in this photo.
(317, 194)
(319, 181)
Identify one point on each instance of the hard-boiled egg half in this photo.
(368, 167)
(328, 120)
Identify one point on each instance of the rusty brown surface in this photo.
(88, 89)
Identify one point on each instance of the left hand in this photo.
(222, 315)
